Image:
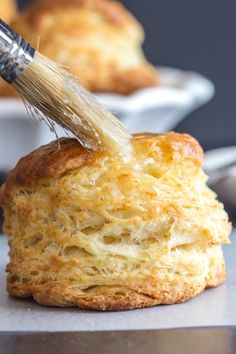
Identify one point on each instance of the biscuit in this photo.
(7, 10)
(89, 230)
(97, 40)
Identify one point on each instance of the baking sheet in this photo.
(214, 307)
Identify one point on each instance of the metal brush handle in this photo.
(15, 53)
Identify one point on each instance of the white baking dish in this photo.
(155, 109)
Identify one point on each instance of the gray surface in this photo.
(215, 307)
(194, 341)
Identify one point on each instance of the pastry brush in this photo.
(57, 96)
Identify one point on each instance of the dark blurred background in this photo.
(199, 36)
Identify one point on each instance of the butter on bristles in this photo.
(59, 96)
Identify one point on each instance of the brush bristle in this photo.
(59, 96)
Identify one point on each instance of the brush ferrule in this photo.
(15, 53)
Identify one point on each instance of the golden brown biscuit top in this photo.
(173, 146)
(113, 11)
(50, 161)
